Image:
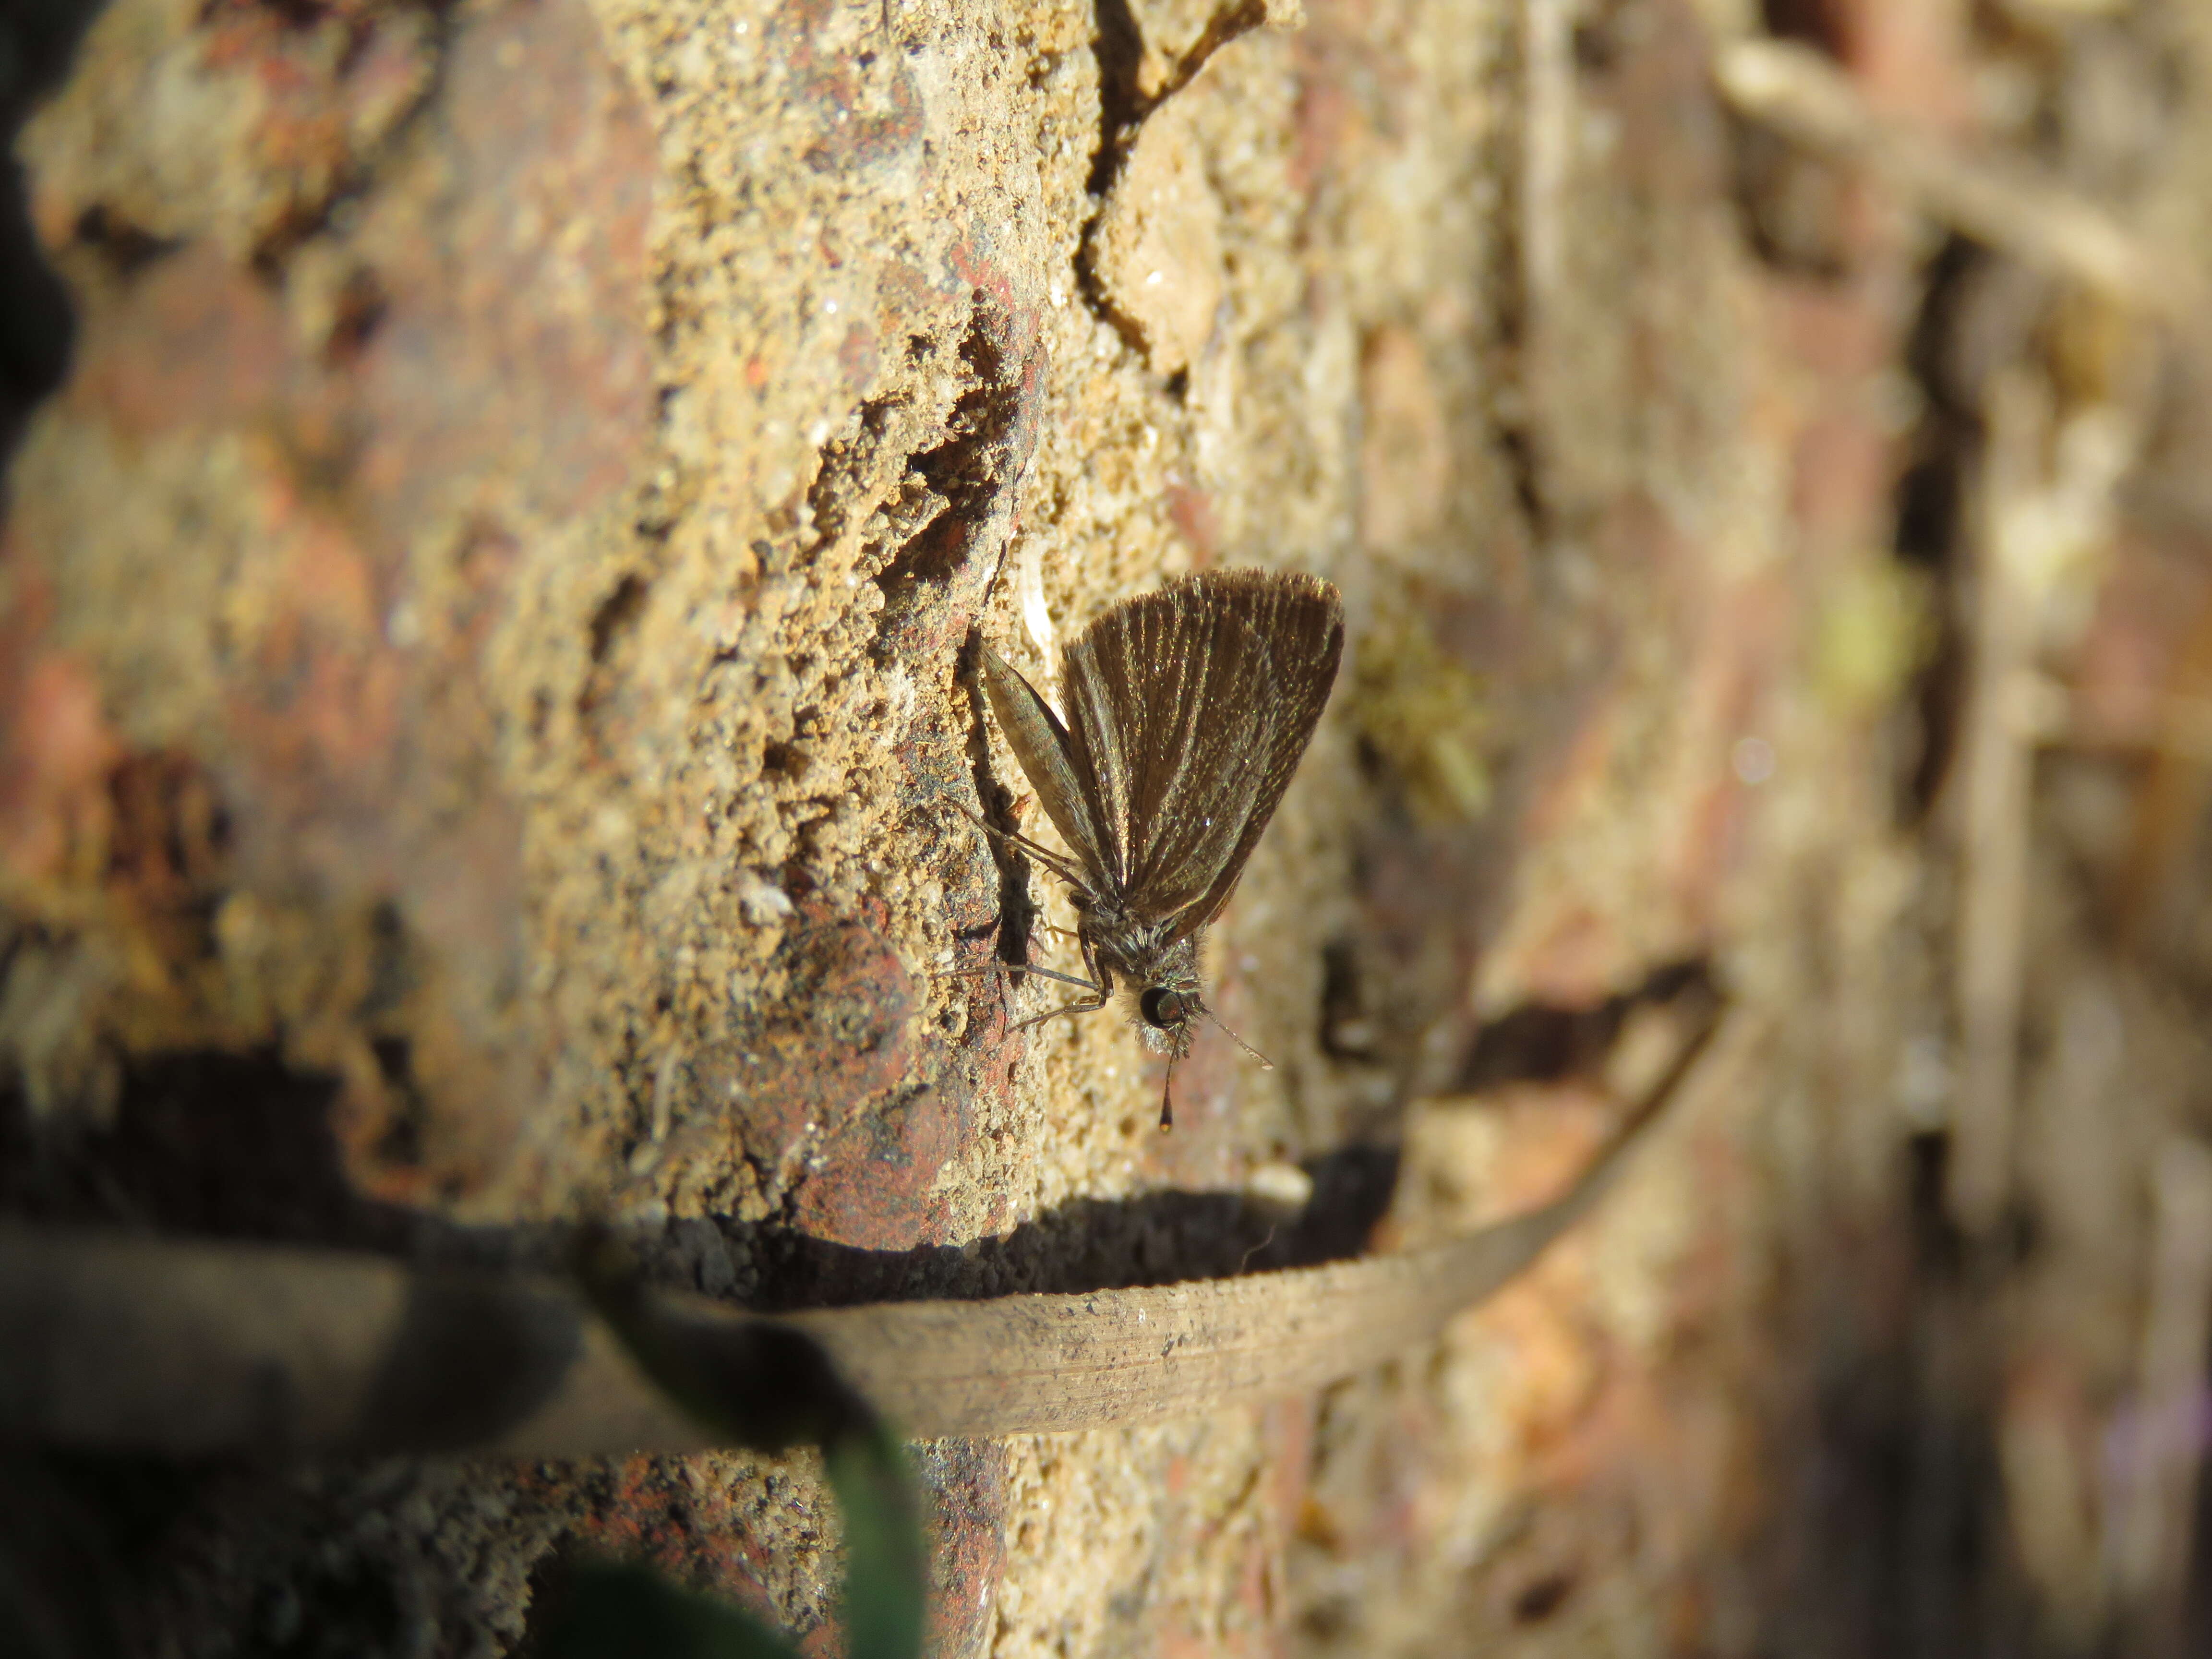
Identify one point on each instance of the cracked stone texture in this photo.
(484, 731)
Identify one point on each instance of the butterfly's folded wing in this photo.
(1188, 711)
(1040, 743)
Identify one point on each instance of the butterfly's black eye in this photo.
(1162, 1009)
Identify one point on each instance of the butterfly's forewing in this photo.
(1188, 711)
(1040, 743)
(1301, 620)
(1160, 697)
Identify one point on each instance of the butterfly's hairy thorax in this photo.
(1159, 970)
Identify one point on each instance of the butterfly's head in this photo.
(1161, 975)
(1169, 1011)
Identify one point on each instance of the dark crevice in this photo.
(1814, 23)
(1524, 469)
(1930, 495)
(360, 309)
(1539, 1042)
(1018, 910)
(37, 325)
(600, 701)
(1935, 701)
(297, 14)
(127, 248)
(1600, 39)
(171, 834)
(1791, 205)
(1117, 43)
(1348, 1028)
(1091, 290)
(1904, 1547)
(1938, 1247)
(1540, 1600)
(960, 469)
(406, 1115)
(617, 614)
(845, 466)
(968, 471)
(394, 972)
(38, 39)
(1928, 523)
(203, 1142)
(1229, 23)
(785, 760)
(876, 414)
(1520, 443)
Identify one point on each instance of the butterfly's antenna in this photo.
(1265, 1064)
(1167, 1099)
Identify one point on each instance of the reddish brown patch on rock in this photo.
(679, 1518)
(839, 1035)
(856, 358)
(1190, 510)
(197, 341)
(1328, 121)
(55, 751)
(865, 101)
(874, 1189)
(537, 367)
(904, 294)
(329, 85)
(55, 743)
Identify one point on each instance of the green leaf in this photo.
(884, 1558)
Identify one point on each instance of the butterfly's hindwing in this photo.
(1188, 712)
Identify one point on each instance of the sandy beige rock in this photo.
(1157, 252)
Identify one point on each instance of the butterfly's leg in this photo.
(1008, 969)
(1089, 1007)
(1101, 992)
(1044, 855)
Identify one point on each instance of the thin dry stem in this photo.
(1997, 763)
(1803, 96)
